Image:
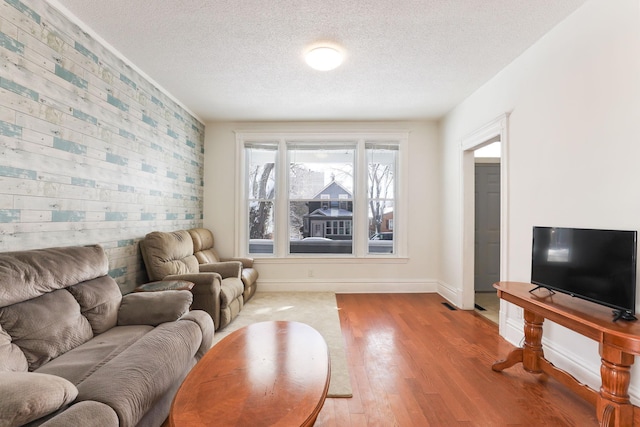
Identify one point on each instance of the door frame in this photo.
(493, 131)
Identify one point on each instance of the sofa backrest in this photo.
(203, 245)
(167, 253)
(25, 275)
(51, 301)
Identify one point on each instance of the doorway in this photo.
(487, 230)
(493, 132)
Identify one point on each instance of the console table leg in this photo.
(531, 352)
(613, 406)
(514, 357)
(532, 348)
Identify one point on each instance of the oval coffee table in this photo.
(265, 374)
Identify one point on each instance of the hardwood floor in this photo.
(414, 362)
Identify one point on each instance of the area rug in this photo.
(317, 309)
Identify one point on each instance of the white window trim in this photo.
(359, 227)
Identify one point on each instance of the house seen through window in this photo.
(319, 197)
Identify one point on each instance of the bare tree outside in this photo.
(262, 191)
(381, 186)
(380, 183)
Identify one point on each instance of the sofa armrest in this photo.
(225, 269)
(206, 292)
(203, 282)
(28, 396)
(246, 262)
(206, 325)
(153, 308)
(86, 414)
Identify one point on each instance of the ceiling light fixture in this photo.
(324, 58)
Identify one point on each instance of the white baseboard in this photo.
(581, 369)
(513, 331)
(348, 287)
(450, 294)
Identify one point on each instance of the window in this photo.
(312, 195)
(338, 228)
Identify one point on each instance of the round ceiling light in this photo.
(324, 58)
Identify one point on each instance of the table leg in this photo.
(613, 406)
(532, 348)
(514, 357)
(531, 352)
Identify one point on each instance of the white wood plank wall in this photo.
(90, 151)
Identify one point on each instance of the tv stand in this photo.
(619, 343)
(624, 315)
(551, 291)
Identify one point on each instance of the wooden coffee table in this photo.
(265, 374)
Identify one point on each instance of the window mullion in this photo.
(282, 201)
(361, 220)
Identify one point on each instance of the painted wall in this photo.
(419, 271)
(90, 151)
(574, 99)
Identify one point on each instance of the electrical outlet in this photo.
(310, 273)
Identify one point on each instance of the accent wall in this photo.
(91, 151)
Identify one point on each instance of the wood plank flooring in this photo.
(414, 362)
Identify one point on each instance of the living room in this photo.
(92, 152)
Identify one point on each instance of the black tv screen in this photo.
(596, 265)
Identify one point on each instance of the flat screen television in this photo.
(596, 265)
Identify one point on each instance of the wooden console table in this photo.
(619, 342)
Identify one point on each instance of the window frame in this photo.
(360, 224)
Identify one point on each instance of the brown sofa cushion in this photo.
(11, 357)
(99, 300)
(205, 323)
(230, 290)
(143, 371)
(168, 253)
(203, 245)
(85, 414)
(53, 325)
(206, 254)
(78, 364)
(225, 269)
(249, 275)
(27, 396)
(153, 308)
(202, 239)
(28, 274)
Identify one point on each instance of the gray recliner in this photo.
(218, 287)
(206, 254)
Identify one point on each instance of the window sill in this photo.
(332, 260)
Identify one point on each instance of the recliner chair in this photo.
(218, 287)
(206, 254)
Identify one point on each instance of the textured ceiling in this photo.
(243, 59)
